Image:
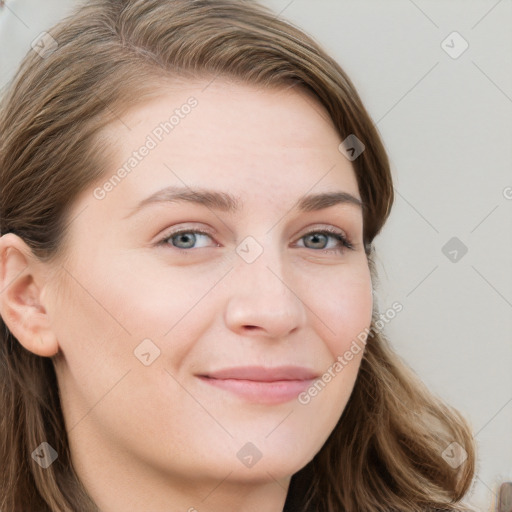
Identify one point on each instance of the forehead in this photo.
(232, 136)
(222, 108)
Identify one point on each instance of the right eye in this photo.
(184, 239)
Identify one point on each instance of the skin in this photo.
(144, 437)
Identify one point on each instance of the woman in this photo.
(190, 191)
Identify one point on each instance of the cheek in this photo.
(344, 305)
(151, 297)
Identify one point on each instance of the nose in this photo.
(262, 302)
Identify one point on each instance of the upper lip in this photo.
(262, 374)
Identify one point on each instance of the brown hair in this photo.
(386, 451)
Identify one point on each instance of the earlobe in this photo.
(21, 284)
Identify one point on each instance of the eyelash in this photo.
(344, 241)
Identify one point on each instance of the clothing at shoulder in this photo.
(299, 485)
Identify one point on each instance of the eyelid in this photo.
(314, 228)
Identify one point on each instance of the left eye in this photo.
(322, 236)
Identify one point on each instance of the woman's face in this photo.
(146, 318)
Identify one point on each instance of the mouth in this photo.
(260, 384)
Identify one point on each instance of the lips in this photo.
(260, 384)
(263, 374)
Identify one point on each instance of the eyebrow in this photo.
(226, 202)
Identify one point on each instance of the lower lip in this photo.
(263, 392)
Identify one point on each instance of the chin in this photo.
(272, 463)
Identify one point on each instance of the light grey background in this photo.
(447, 125)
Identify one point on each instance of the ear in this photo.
(22, 280)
